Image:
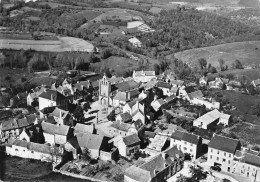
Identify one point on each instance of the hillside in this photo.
(247, 52)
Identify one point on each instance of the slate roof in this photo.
(174, 152)
(83, 128)
(56, 95)
(247, 158)
(195, 94)
(177, 135)
(131, 139)
(126, 117)
(42, 148)
(21, 143)
(134, 93)
(191, 138)
(224, 143)
(126, 86)
(163, 85)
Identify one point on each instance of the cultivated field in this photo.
(247, 53)
(61, 45)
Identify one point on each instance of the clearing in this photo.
(247, 53)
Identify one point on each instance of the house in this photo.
(132, 107)
(157, 104)
(144, 76)
(142, 95)
(194, 95)
(83, 128)
(203, 81)
(208, 103)
(148, 85)
(218, 83)
(246, 163)
(211, 118)
(56, 134)
(14, 127)
(176, 83)
(94, 143)
(139, 115)
(125, 129)
(158, 168)
(221, 151)
(127, 145)
(256, 83)
(169, 130)
(158, 144)
(115, 80)
(124, 117)
(51, 98)
(72, 146)
(121, 98)
(187, 143)
(60, 116)
(34, 96)
(170, 99)
(31, 150)
(135, 42)
(165, 87)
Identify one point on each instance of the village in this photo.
(142, 128)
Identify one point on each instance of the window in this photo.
(211, 150)
(224, 160)
(16, 149)
(184, 148)
(191, 144)
(210, 156)
(32, 152)
(224, 153)
(229, 155)
(217, 158)
(185, 143)
(228, 161)
(218, 151)
(190, 150)
(248, 167)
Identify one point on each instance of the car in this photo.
(215, 168)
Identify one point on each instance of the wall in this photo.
(60, 139)
(221, 157)
(49, 138)
(246, 170)
(139, 116)
(45, 103)
(127, 179)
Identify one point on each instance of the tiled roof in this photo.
(52, 95)
(121, 126)
(138, 174)
(31, 118)
(22, 122)
(157, 143)
(126, 86)
(9, 125)
(90, 141)
(156, 163)
(224, 143)
(131, 139)
(163, 85)
(83, 128)
(21, 143)
(55, 129)
(177, 135)
(149, 84)
(174, 152)
(121, 96)
(131, 104)
(134, 93)
(42, 148)
(126, 117)
(95, 84)
(247, 158)
(195, 94)
(170, 98)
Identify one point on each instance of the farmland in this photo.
(247, 52)
(56, 44)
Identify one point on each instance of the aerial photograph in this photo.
(129, 90)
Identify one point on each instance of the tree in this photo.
(112, 116)
(221, 64)
(202, 63)
(212, 69)
(156, 69)
(86, 154)
(78, 113)
(238, 64)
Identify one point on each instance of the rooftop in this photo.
(131, 139)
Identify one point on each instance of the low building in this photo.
(211, 119)
(247, 164)
(165, 87)
(83, 128)
(158, 144)
(124, 117)
(187, 143)
(135, 42)
(221, 151)
(30, 150)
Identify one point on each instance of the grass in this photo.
(247, 52)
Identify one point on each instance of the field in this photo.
(62, 44)
(246, 52)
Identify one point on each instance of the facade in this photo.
(165, 87)
(144, 76)
(187, 143)
(247, 164)
(221, 152)
(30, 150)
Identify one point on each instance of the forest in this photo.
(182, 29)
